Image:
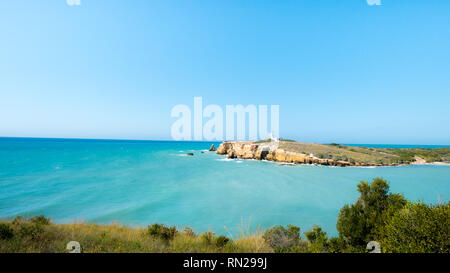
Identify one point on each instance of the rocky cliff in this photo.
(270, 151)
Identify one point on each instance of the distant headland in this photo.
(292, 152)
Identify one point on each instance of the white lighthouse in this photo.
(273, 138)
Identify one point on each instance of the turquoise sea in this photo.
(143, 182)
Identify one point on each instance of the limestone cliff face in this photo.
(238, 149)
(270, 151)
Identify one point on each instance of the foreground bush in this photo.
(222, 241)
(162, 232)
(394, 222)
(282, 239)
(364, 220)
(418, 228)
(317, 239)
(6, 232)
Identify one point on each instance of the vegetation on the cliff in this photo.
(429, 155)
(377, 215)
(377, 156)
(331, 154)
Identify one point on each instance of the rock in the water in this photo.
(212, 149)
(190, 154)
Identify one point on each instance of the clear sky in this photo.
(341, 71)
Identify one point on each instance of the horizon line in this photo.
(171, 140)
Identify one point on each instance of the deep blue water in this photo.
(143, 182)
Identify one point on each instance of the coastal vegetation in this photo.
(398, 225)
(331, 154)
(368, 155)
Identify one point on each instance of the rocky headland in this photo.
(290, 152)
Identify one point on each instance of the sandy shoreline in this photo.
(434, 163)
(421, 161)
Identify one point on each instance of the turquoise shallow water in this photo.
(143, 182)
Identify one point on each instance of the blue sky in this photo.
(341, 71)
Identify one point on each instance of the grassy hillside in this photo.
(39, 235)
(367, 155)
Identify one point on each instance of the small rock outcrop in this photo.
(212, 149)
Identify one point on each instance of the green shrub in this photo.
(6, 232)
(363, 221)
(281, 239)
(337, 158)
(29, 229)
(316, 235)
(209, 238)
(40, 220)
(221, 241)
(161, 231)
(337, 245)
(418, 228)
(317, 239)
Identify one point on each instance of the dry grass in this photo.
(367, 155)
(359, 154)
(53, 238)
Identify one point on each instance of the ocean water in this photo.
(144, 182)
